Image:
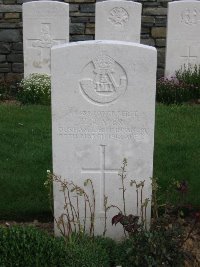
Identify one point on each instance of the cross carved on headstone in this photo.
(102, 171)
(45, 43)
(189, 59)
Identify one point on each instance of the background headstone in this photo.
(45, 23)
(102, 112)
(118, 20)
(183, 36)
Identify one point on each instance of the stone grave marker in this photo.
(118, 20)
(45, 23)
(103, 105)
(183, 36)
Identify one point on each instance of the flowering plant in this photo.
(35, 89)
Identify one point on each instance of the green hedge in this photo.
(29, 247)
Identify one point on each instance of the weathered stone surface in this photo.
(118, 20)
(77, 28)
(148, 21)
(5, 67)
(163, 1)
(8, 25)
(45, 24)
(81, 14)
(87, 8)
(17, 46)
(161, 57)
(160, 73)
(8, 2)
(150, 4)
(145, 36)
(148, 41)
(75, 38)
(158, 32)
(145, 30)
(2, 58)
(90, 30)
(11, 8)
(161, 21)
(102, 112)
(160, 42)
(155, 11)
(80, 19)
(18, 67)
(13, 77)
(12, 15)
(10, 35)
(5, 48)
(15, 58)
(73, 7)
(183, 36)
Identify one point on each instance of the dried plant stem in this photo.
(105, 215)
(137, 201)
(94, 205)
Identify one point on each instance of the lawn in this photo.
(25, 153)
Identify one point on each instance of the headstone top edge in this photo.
(183, 2)
(106, 42)
(32, 3)
(124, 2)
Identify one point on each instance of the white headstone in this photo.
(183, 36)
(103, 104)
(118, 20)
(45, 23)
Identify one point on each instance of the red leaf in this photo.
(117, 218)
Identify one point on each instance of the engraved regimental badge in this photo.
(118, 16)
(107, 81)
(190, 16)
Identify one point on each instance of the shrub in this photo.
(184, 87)
(28, 247)
(171, 91)
(157, 247)
(191, 78)
(35, 89)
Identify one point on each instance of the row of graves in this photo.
(103, 105)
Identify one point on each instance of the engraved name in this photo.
(103, 125)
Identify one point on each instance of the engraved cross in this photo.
(102, 171)
(189, 59)
(44, 43)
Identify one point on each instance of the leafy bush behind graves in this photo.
(35, 89)
(184, 87)
(28, 247)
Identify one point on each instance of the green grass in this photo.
(25, 155)
(177, 147)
